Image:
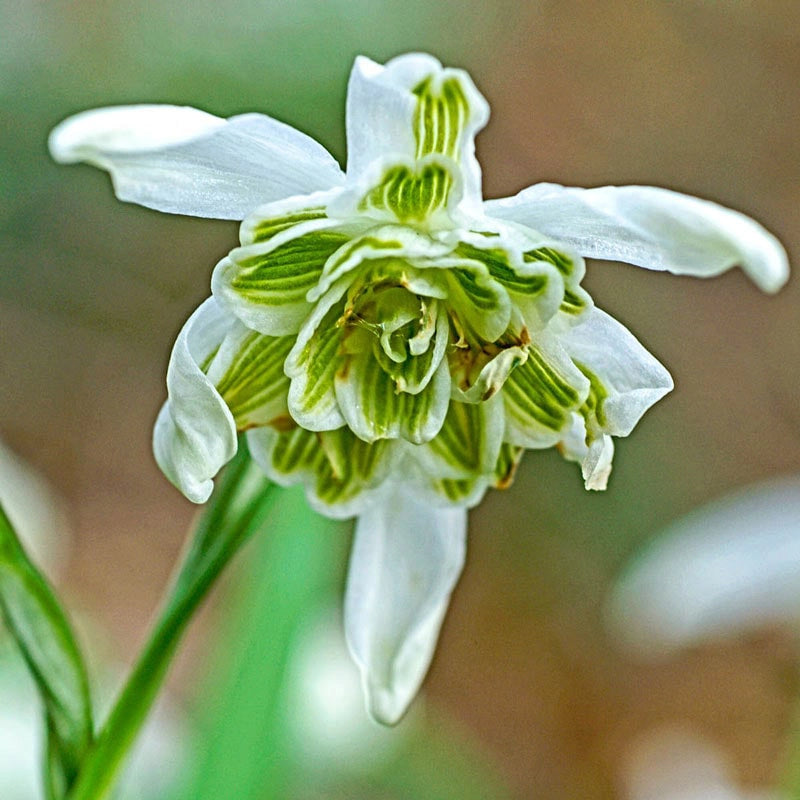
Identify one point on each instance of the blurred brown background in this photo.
(697, 96)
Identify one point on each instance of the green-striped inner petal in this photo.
(593, 409)
(461, 442)
(500, 267)
(375, 409)
(314, 367)
(341, 465)
(440, 117)
(575, 299)
(537, 394)
(266, 229)
(408, 195)
(563, 263)
(254, 385)
(283, 275)
(507, 462)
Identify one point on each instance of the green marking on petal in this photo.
(576, 299)
(498, 262)
(593, 409)
(563, 263)
(254, 385)
(267, 228)
(410, 195)
(335, 465)
(312, 365)
(466, 443)
(374, 408)
(539, 399)
(440, 117)
(507, 462)
(284, 274)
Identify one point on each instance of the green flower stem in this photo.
(239, 506)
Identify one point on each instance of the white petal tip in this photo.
(120, 129)
(384, 705)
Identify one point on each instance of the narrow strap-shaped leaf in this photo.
(239, 506)
(43, 633)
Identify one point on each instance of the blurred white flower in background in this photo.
(328, 727)
(731, 566)
(678, 764)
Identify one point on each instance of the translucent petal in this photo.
(406, 559)
(195, 433)
(185, 161)
(654, 228)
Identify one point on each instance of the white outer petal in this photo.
(184, 161)
(728, 567)
(650, 227)
(406, 559)
(195, 433)
(634, 378)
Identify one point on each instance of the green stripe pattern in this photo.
(254, 385)
(409, 195)
(375, 409)
(335, 465)
(265, 229)
(440, 117)
(282, 275)
(539, 399)
(575, 299)
(593, 409)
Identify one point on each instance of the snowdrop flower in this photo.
(728, 567)
(389, 339)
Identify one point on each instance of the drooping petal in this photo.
(625, 378)
(411, 108)
(184, 161)
(654, 228)
(195, 433)
(406, 559)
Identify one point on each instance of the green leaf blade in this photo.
(43, 633)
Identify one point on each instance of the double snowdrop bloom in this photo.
(386, 337)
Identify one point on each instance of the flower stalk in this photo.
(238, 509)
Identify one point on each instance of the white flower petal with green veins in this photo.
(195, 434)
(654, 228)
(374, 409)
(540, 395)
(341, 473)
(270, 219)
(410, 108)
(405, 561)
(247, 371)
(185, 161)
(312, 364)
(265, 284)
(468, 443)
(377, 243)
